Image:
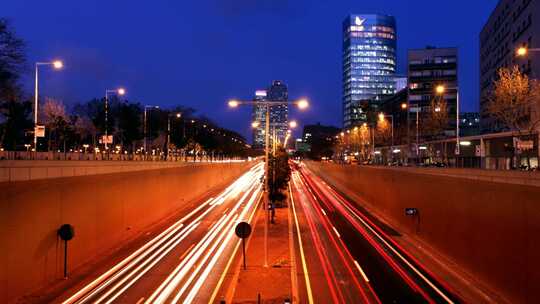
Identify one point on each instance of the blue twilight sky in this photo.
(200, 53)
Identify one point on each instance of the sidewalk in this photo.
(272, 283)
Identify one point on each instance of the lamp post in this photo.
(57, 64)
(177, 115)
(301, 104)
(146, 107)
(417, 111)
(439, 90)
(119, 91)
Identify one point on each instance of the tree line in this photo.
(83, 124)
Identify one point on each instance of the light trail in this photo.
(205, 254)
(346, 208)
(117, 280)
(301, 247)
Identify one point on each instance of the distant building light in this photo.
(396, 151)
(464, 143)
(260, 93)
(422, 148)
(377, 152)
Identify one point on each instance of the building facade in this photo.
(369, 65)
(511, 25)
(258, 116)
(279, 114)
(427, 69)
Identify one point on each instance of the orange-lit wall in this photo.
(106, 210)
(492, 229)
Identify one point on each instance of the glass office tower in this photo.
(279, 113)
(369, 65)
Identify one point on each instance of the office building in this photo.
(511, 25)
(278, 114)
(401, 82)
(427, 69)
(259, 118)
(469, 124)
(369, 65)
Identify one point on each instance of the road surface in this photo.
(184, 263)
(346, 257)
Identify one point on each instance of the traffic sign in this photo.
(40, 131)
(243, 230)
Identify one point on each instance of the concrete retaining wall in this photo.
(105, 210)
(490, 228)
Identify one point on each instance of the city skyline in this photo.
(311, 45)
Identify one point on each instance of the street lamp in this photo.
(255, 124)
(293, 124)
(415, 109)
(57, 64)
(524, 51)
(440, 89)
(301, 104)
(119, 91)
(146, 107)
(177, 115)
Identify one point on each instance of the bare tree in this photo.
(53, 113)
(384, 133)
(515, 102)
(437, 120)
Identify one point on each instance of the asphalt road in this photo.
(350, 258)
(184, 263)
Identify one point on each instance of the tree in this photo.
(384, 131)
(12, 61)
(515, 102)
(436, 121)
(57, 122)
(14, 113)
(279, 175)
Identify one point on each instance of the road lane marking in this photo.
(302, 255)
(361, 271)
(323, 212)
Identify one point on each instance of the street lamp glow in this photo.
(381, 116)
(293, 124)
(178, 115)
(522, 51)
(437, 109)
(57, 64)
(255, 124)
(404, 106)
(233, 103)
(303, 104)
(121, 91)
(440, 89)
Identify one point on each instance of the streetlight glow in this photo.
(522, 51)
(293, 124)
(440, 89)
(437, 109)
(233, 103)
(121, 91)
(57, 64)
(381, 116)
(404, 106)
(178, 115)
(255, 124)
(303, 104)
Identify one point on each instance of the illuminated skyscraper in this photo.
(278, 114)
(369, 65)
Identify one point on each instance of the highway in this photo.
(186, 262)
(346, 257)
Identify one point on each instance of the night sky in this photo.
(201, 53)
